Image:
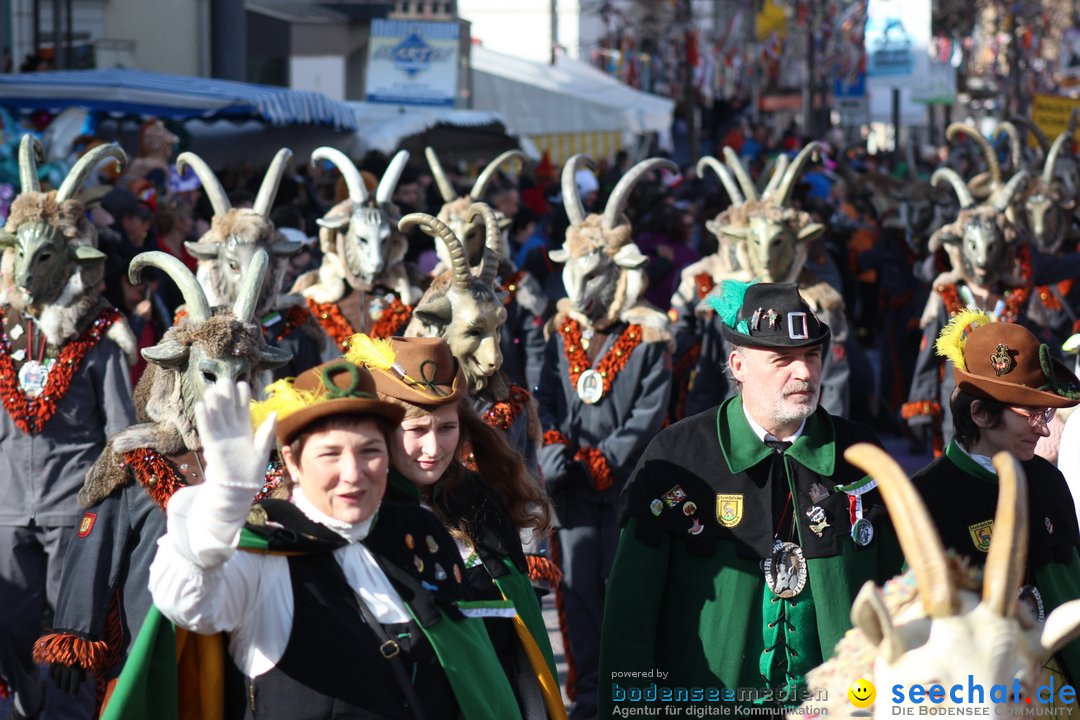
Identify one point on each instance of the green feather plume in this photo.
(728, 302)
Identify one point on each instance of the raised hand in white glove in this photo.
(235, 461)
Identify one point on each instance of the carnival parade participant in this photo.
(483, 508)
(345, 605)
(1007, 390)
(66, 388)
(745, 534)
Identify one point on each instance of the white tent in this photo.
(567, 108)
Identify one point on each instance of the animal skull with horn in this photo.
(602, 267)
(51, 261)
(456, 210)
(1044, 210)
(235, 234)
(989, 184)
(772, 238)
(979, 241)
(224, 343)
(937, 625)
(463, 306)
(360, 244)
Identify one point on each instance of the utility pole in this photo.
(554, 29)
(686, 17)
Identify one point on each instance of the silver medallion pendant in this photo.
(785, 571)
(33, 376)
(590, 387)
(1030, 596)
(862, 532)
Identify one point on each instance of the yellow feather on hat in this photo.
(282, 398)
(951, 339)
(370, 352)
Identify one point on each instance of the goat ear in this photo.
(284, 247)
(7, 239)
(86, 254)
(811, 232)
(732, 231)
(505, 222)
(436, 313)
(559, 255)
(272, 357)
(629, 257)
(167, 353)
(869, 614)
(333, 222)
(1062, 626)
(202, 250)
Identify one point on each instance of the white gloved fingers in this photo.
(243, 399)
(202, 422)
(264, 437)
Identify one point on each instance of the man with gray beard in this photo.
(745, 533)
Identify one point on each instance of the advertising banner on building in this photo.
(413, 62)
(897, 41)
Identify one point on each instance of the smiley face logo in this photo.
(862, 693)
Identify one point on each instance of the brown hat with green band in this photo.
(421, 371)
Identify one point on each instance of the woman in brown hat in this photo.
(341, 605)
(1008, 388)
(484, 502)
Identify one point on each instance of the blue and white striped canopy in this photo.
(124, 91)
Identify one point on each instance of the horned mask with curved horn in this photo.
(264, 201)
(215, 193)
(435, 227)
(489, 265)
(988, 151)
(711, 163)
(484, 179)
(86, 164)
(967, 201)
(745, 182)
(446, 188)
(787, 183)
(30, 154)
(353, 181)
(575, 210)
(621, 194)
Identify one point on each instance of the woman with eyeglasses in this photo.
(1008, 388)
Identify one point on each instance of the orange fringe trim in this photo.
(564, 630)
(333, 322)
(154, 473)
(920, 407)
(296, 317)
(503, 413)
(554, 437)
(510, 287)
(613, 361)
(542, 568)
(91, 655)
(598, 467)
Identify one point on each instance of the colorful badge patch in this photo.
(656, 507)
(981, 534)
(674, 496)
(729, 509)
(87, 524)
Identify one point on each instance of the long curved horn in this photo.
(1035, 130)
(1015, 184)
(30, 153)
(345, 166)
(953, 178)
(1016, 150)
(210, 183)
(247, 297)
(571, 198)
(264, 201)
(783, 190)
(198, 309)
(745, 182)
(991, 157)
(1050, 165)
(85, 165)
(446, 188)
(480, 186)
(621, 194)
(779, 168)
(709, 162)
(1074, 117)
(435, 227)
(915, 530)
(390, 178)
(1007, 557)
(489, 264)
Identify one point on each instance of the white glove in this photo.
(235, 464)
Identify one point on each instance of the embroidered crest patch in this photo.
(729, 510)
(87, 524)
(981, 534)
(1001, 360)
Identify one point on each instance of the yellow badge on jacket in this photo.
(729, 509)
(981, 534)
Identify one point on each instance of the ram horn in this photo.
(575, 211)
(1007, 557)
(480, 186)
(385, 191)
(489, 265)
(353, 181)
(446, 188)
(916, 532)
(621, 194)
(210, 183)
(264, 201)
(745, 182)
(988, 152)
(436, 228)
(30, 154)
(85, 166)
(1035, 130)
(1050, 165)
(780, 166)
(1016, 150)
(710, 163)
(959, 187)
(787, 184)
(198, 309)
(1015, 184)
(247, 296)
